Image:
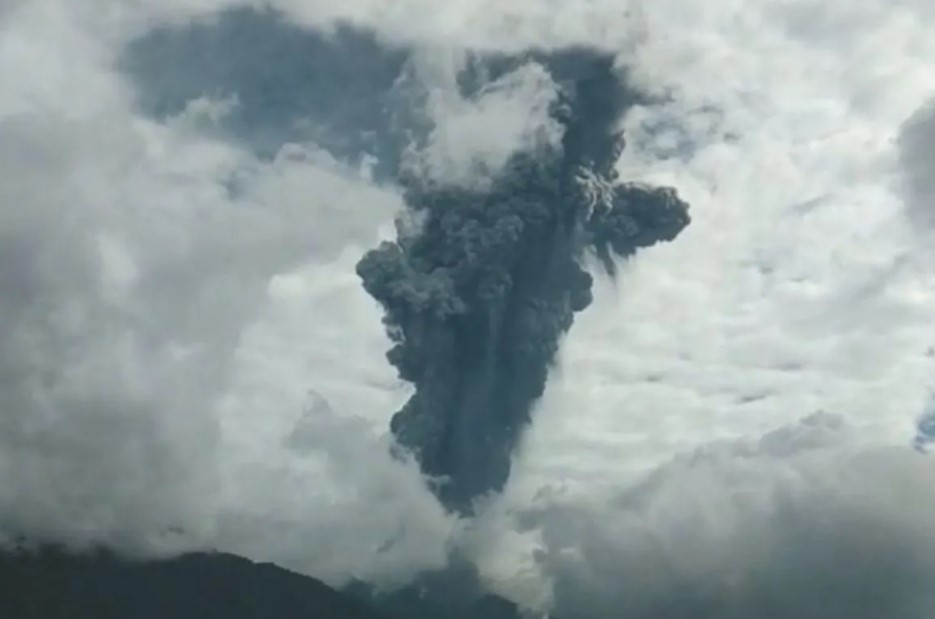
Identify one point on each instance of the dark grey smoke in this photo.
(288, 83)
(478, 299)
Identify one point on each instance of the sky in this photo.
(188, 360)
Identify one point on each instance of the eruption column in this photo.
(479, 297)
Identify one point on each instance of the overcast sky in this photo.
(187, 358)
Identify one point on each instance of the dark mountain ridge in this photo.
(52, 584)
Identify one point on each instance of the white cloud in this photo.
(797, 287)
(807, 521)
(472, 137)
(138, 266)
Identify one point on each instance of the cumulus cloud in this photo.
(473, 136)
(139, 261)
(798, 287)
(806, 521)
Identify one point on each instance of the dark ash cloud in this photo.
(478, 297)
(284, 83)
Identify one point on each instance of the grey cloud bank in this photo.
(803, 522)
(138, 260)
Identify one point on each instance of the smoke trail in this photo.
(477, 300)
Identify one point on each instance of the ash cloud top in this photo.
(284, 83)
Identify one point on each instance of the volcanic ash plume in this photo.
(479, 296)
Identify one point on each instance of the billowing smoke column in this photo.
(478, 298)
